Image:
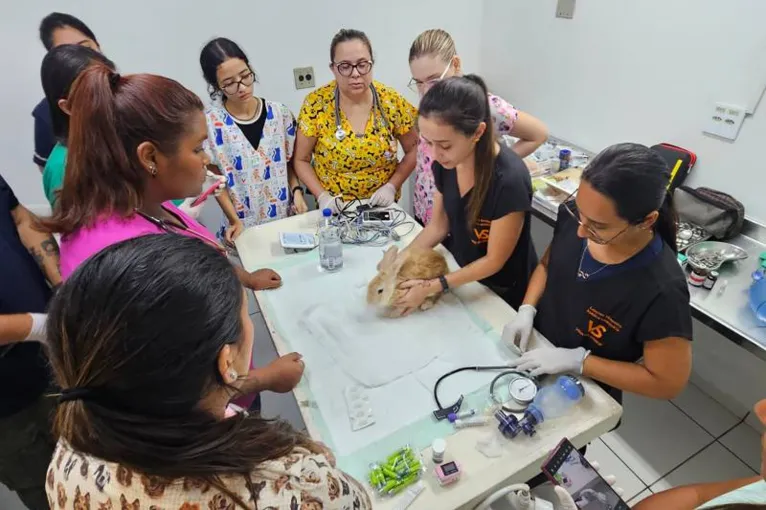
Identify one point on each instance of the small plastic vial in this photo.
(438, 447)
(475, 421)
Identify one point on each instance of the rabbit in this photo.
(395, 268)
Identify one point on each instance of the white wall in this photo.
(646, 71)
(165, 37)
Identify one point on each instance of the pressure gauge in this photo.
(522, 389)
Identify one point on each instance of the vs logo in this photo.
(481, 232)
(596, 331)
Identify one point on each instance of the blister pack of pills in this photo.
(359, 408)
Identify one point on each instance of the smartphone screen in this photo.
(568, 468)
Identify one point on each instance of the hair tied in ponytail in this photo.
(114, 80)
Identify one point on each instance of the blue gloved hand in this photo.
(551, 360)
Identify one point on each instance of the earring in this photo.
(153, 170)
(233, 375)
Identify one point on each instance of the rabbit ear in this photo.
(388, 258)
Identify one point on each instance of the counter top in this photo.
(725, 310)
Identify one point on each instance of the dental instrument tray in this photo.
(689, 234)
(711, 255)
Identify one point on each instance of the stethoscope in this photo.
(170, 226)
(380, 118)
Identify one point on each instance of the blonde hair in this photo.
(434, 42)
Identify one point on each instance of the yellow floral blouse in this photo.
(300, 481)
(357, 165)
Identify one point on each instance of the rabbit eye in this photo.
(380, 291)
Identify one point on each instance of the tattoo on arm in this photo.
(50, 247)
(37, 256)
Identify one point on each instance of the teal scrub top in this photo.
(53, 173)
(754, 494)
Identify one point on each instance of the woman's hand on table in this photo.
(517, 332)
(283, 374)
(233, 231)
(416, 292)
(384, 196)
(299, 203)
(264, 279)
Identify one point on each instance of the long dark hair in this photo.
(111, 116)
(137, 329)
(215, 53)
(60, 67)
(636, 179)
(462, 102)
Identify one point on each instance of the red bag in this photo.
(680, 160)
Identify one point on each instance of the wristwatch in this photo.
(443, 281)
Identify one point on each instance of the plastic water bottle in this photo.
(330, 245)
(551, 402)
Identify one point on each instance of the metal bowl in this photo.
(711, 255)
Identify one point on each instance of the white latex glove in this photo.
(547, 360)
(384, 196)
(186, 207)
(38, 331)
(327, 201)
(565, 500)
(518, 331)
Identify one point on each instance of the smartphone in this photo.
(206, 193)
(568, 468)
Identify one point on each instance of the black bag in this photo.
(717, 212)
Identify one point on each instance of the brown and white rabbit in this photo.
(395, 268)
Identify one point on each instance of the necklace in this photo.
(582, 274)
(252, 118)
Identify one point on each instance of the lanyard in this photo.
(380, 118)
(173, 228)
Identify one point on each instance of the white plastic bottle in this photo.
(330, 244)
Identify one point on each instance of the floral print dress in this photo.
(300, 481)
(504, 116)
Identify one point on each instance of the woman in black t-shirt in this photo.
(483, 196)
(609, 290)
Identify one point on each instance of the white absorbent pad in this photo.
(344, 342)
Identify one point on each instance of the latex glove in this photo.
(327, 201)
(518, 331)
(384, 196)
(38, 331)
(193, 211)
(547, 360)
(566, 502)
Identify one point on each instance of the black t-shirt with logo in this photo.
(509, 191)
(614, 312)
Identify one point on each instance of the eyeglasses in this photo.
(347, 68)
(233, 87)
(421, 87)
(592, 234)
